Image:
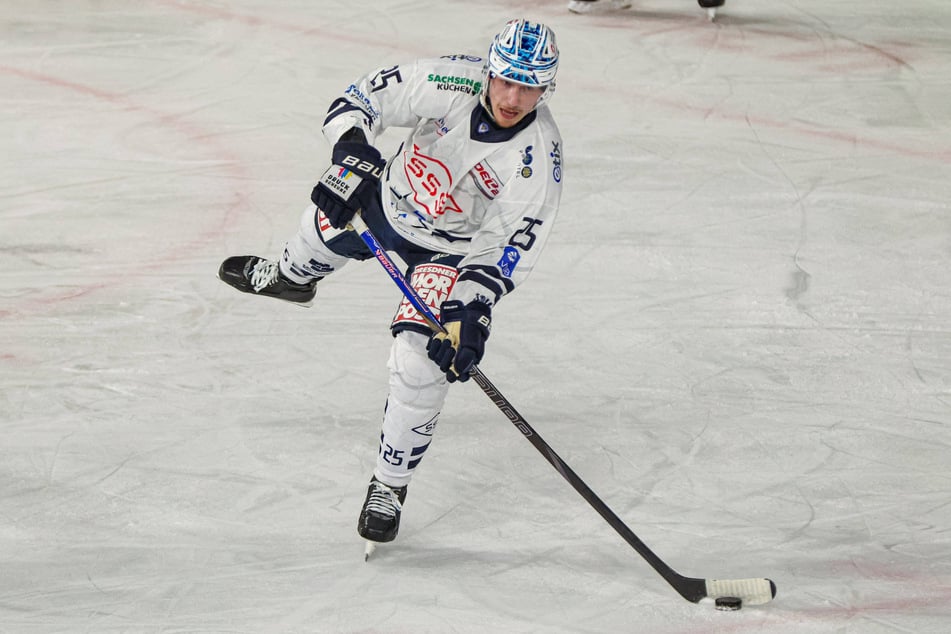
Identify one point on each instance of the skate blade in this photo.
(368, 550)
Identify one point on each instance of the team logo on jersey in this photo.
(483, 128)
(508, 261)
(555, 155)
(486, 180)
(525, 172)
(431, 182)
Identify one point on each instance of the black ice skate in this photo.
(711, 6)
(251, 274)
(380, 518)
(588, 6)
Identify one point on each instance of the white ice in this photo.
(738, 336)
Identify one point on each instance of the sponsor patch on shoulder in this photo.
(508, 261)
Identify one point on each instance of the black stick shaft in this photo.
(690, 589)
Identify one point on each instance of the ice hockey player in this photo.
(587, 6)
(467, 201)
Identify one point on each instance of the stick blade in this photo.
(751, 591)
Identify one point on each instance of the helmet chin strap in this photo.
(484, 96)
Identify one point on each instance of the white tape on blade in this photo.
(751, 591)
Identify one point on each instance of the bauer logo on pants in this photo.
(433, 283)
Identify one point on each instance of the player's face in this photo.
(510, 101)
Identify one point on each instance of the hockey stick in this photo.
(748, 591)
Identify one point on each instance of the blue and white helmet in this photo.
(525, 53)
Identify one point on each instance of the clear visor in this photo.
(515, 80)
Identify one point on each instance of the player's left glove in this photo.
(350, 184)
(458, 350)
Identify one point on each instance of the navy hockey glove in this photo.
(350, 184)
(458, 350)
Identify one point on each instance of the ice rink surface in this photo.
(739, 334)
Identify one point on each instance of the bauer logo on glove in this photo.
(366, 167)
(350, 183)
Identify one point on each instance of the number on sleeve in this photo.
(382, 79)
(524, 238)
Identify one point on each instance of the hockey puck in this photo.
(729, 604)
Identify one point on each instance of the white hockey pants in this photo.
(417, 387)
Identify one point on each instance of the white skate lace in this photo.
(383, 501)
(264, 274)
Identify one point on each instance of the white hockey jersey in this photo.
(459, 184)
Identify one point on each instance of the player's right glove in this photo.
(350, 184)
(458, 350)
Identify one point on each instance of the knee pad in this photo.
(306, 255)
(417, 392)
(415, 381)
